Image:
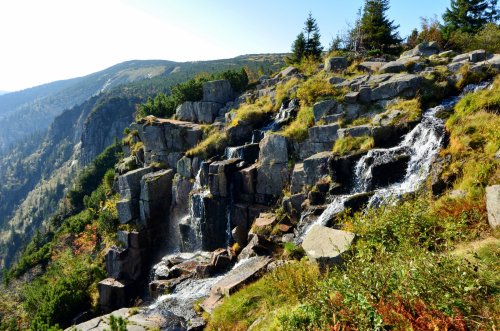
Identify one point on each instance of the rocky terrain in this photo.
(228, 182)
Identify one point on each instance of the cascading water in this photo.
(422, 145)
(196, 213)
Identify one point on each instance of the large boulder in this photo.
(219, 91)
(198, 112)
(271, 179)
(493, 205)
(323, 133)
(257, 246)
(298, 178)
(327, 246)
(124, 263)
(273, 149)
(129, 184)
(423, 49)
(398, 85)
(336, 63)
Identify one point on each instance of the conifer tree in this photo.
(492, 12)
(313, 45)
(298, 49)
(378, 32)
(466, 15)
(307, 43)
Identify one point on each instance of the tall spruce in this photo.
(307, 43)
(378, 32)
(467, 15)
(492, 12)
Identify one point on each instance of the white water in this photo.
(422, 144)
(196, 212)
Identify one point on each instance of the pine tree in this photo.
(307, 43)
(313, 45)
(298, 49)
(466, 15)
(378, 32)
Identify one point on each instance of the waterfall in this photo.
(196, 213)
(422, 145)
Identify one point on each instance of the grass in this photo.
(253, 113)
(298, 129)
(315, 88)
(348, 144)
(412, 110)
(285, 91)
(214, 143)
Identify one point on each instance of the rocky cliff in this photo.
(252, 183)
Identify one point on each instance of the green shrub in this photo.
(253, 113)
(315, 88)
(488, 39)
(285, 91)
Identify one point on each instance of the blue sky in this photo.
(48, 40)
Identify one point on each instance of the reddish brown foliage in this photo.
(419, 316)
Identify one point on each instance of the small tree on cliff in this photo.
(307, 44)
(378, 32)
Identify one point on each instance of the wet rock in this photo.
(326, 246)
(239, 134)
(388, 171)
(248, 153)
(335, 64)
(493, 205)
(257, 246)
(341, 170)
(316, 198)
(220, 175)
(324, 108)
(390, 135)
(438, 184)
(357, 202)
(214, 224)
(221, 261)
(323, 133)
(219, 91)
(293, 204)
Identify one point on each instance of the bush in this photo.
(315, 88)
(253, 113)
(412, 109)
(488, 39)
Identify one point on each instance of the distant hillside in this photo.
(40, 165)
(32, 110)
(4, 92)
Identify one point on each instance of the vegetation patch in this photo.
(215, 142)
(253, 113)
(349, 144)
(412, 110)
(298, 129)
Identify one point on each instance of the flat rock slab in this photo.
(493, 205)
(326, 246)
(241, 275)
(135, 321)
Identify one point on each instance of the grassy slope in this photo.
(423, 264)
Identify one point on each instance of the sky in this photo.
(49, 40)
